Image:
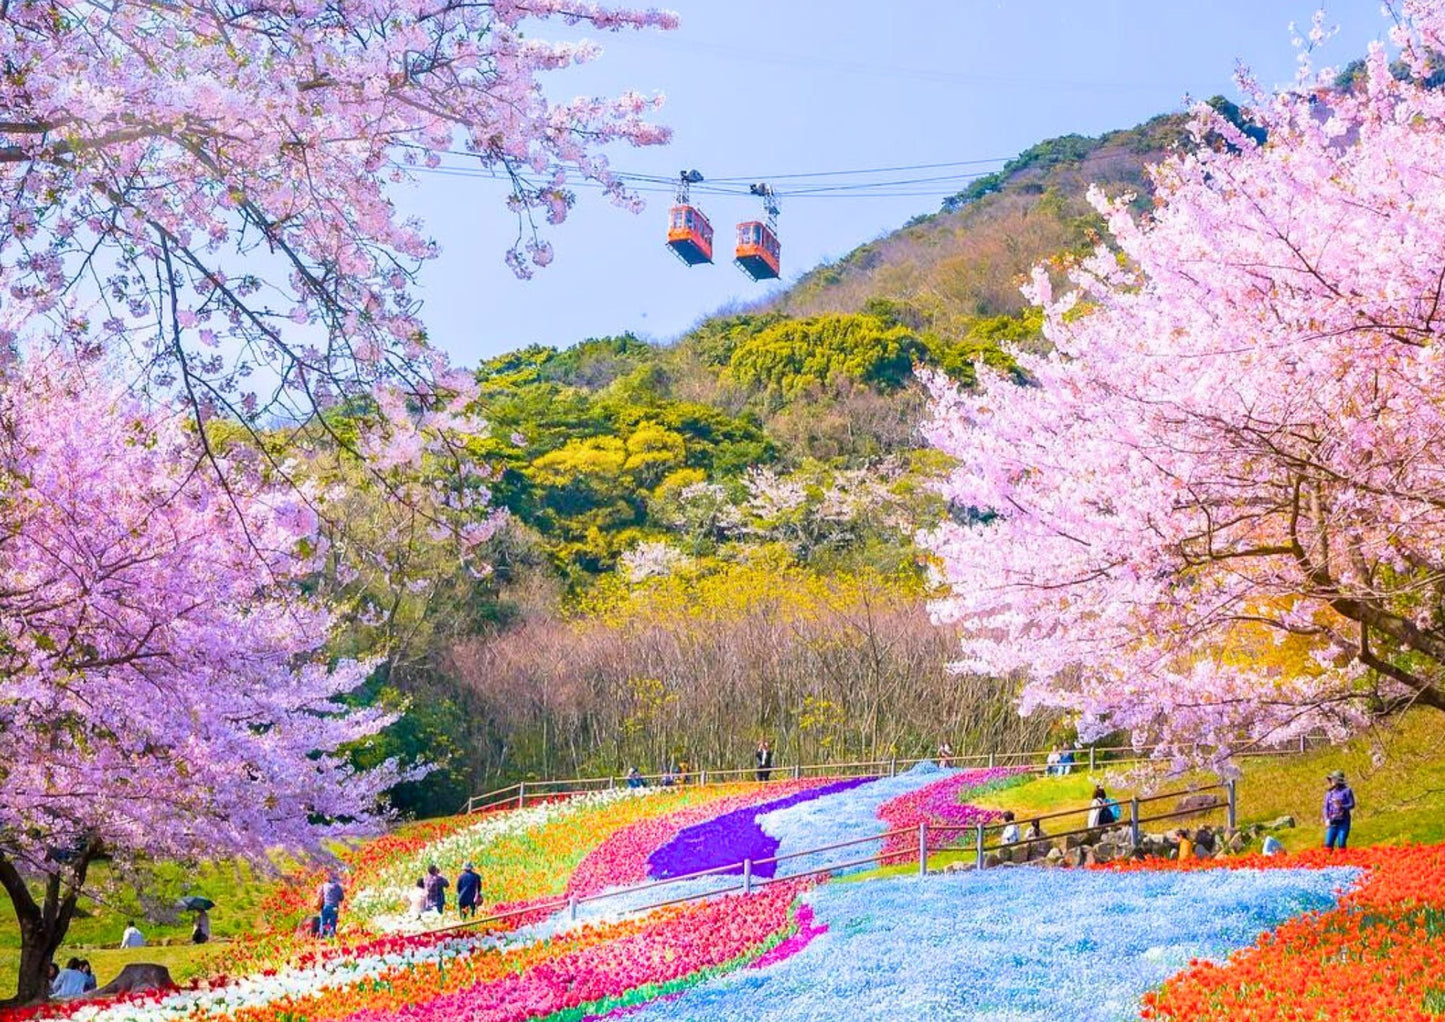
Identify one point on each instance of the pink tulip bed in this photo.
(942, 803)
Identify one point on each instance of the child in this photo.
(1186, 845)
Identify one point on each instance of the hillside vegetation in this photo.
(711, 542)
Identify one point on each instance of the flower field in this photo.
(1248, 938)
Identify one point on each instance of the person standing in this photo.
(436, 890)
(764, 760)
(469, 891)
(1339, 808)
(201, 932)
(416, 899)
(1100, 813)
(945, 753)
(328, 902)
(132, 937)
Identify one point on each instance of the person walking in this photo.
(436, 890)
(328, 903)
(764, 760)
(1339, 808)
(469, 891)
(132, 937)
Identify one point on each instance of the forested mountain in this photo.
(710, 541)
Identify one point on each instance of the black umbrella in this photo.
(195, 903)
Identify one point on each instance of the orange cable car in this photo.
(689, 234)
(759, 253)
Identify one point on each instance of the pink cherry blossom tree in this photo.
(1216, 513)
(206, 188)
(162, 693)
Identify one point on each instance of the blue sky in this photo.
(760, 88)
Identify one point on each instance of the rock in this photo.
(990, 860)
(1197, 803)
(136, 977)
(1105, 852)
(1282, 823)
(1237, 844)
(1006, 854)
(1091, 857)
(1054, 857)
(1071, 841)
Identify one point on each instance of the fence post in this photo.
(892, 766)
(747, 876)
(611, 783)
(923, 849)
(703, 775)
(797, 771)
(521, 794)
(1134, 821)
(572, 908)
(1301, 743)
(1233, 802)
(978, 838)
(1091, 759)
(990, 761)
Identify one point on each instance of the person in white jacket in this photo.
(132, 937)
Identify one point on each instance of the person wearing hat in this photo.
(1339, 804)
(469, 890)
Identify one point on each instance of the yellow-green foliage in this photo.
(717, 590)
(795, 355)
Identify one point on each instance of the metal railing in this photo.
(749, 881)
(516, 796)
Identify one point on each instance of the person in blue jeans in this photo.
(331, 895)
(1339, 805)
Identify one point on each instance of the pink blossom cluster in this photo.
(1216, 512)
(163, 686)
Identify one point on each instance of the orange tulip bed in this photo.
(1378, 954)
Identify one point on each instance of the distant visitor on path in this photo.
(328, 903)
(635, 778)
(945, 753)
(1339, 805)
(132, 937)
(469, 890)
(201, 932)
(764, 760)
(436, 890)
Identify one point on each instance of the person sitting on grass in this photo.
(69, 981)
(90, 981)
(132, 937)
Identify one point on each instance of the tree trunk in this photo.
(42, 926)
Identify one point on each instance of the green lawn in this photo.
(95, 934)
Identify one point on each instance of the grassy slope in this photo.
(1401, 800)
(96, 931)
